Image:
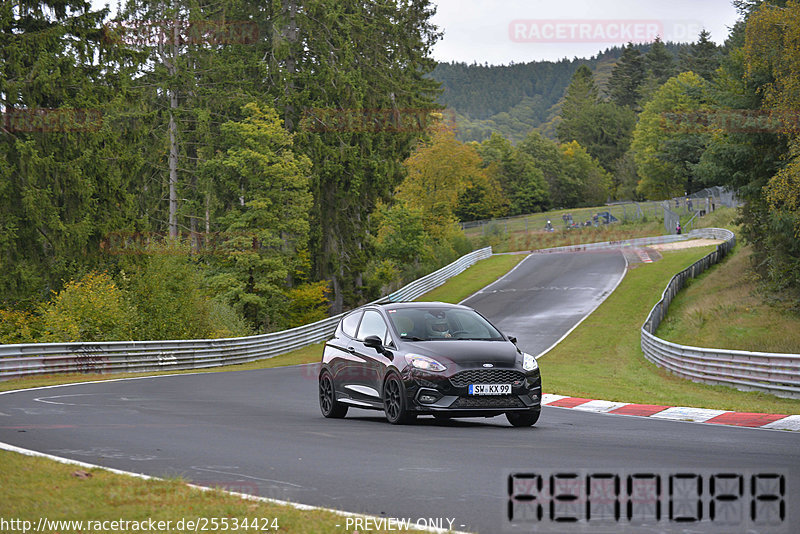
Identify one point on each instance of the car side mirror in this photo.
(374, 342)
(512, 339)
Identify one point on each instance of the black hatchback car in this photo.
(427, 358)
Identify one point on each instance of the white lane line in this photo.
(682, 413)
(791, 422)
(600, 406)
(103, 382)
(498, 280)
(588, 313)
(296, 506)
(43, 399)
(246, 476)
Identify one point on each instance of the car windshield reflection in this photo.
(437, 324)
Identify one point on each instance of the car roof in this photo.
(400, 305)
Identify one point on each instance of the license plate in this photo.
(490, 389)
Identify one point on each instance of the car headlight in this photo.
(423, 362)
(529, 362)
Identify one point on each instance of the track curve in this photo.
(261, 432)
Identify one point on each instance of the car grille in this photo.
(486, 376)
(488, 402)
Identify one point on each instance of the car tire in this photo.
(394, 401)
(528, 418)
(328, 404)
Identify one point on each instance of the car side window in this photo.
(372, 325)
(350, 324)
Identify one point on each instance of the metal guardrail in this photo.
(149, 356)
(778, 374)
(604, 245)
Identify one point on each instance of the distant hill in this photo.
(515, 99)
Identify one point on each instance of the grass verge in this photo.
(40, 488)
(473, 279)
(723, 308)
(602, 358)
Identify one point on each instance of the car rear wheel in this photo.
(394, 402)
(328, 404)
(523, 418)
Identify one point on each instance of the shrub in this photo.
(19, 326)
(90, 309)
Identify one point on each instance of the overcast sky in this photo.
(501, 31)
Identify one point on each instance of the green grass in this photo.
(602, 358)
(723, 308)
(473, 279)
(40, 488)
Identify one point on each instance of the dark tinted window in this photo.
(372, 325)
(350, 323)
(442, 323)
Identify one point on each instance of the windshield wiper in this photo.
(412, 338)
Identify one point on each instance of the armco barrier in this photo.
(148, 356)
(778, 374)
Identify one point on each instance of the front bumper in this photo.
(430, 393)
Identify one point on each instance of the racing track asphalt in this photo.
(261, 432)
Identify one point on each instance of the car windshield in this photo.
(434, 324)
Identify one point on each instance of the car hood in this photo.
(467, 353)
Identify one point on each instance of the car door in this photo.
(366, 385)
(339, 352)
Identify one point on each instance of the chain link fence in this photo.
(669, 211)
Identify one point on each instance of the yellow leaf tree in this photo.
(443, 175)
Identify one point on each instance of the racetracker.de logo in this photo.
(45, 120)
(585, 31)
(391, 120)
(183, 32)
(618, 31)
(753, 121)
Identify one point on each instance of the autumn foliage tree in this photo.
(772, 49)
(442, 179)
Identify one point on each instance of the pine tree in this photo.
(660, 63)
(581, 93)
(357, 64)
(602, 128)
(702, 58)
(63, 181)
(627, 78)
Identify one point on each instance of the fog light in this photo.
(428, 396)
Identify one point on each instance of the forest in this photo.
(514, 99)
(191, 170)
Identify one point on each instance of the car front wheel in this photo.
(523, 418)
(328, 404)
(394, 402)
